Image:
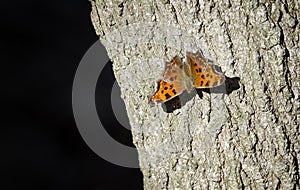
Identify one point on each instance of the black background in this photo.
(42, 43)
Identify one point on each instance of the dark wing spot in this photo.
(200, 70)
(207, 83)
(195, 64)
(202, 76)
(172, 79)
(207, 75)
(162, 91)
(201, 83)
(197, 71)
(174, 71)
(171, 86)
(167, 95)
(166, 88)
(174, 91)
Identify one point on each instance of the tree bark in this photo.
(247, 139)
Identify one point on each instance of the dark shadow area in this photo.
(230, 85)
(42, 43)
(105, 110)
(177, 102)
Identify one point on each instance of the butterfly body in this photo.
(196, 72)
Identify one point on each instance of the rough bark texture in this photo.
(248, 139)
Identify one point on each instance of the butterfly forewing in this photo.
(172, 83)
(203, 73)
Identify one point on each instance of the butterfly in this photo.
(196, 72)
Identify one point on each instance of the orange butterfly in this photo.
(196, 72)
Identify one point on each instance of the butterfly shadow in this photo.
(177, 102)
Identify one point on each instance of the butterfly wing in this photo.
(203, 73)
(172, 83)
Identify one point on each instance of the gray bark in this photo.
(248, 139)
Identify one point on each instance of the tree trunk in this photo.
(247, 138)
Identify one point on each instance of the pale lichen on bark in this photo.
(248, 139)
